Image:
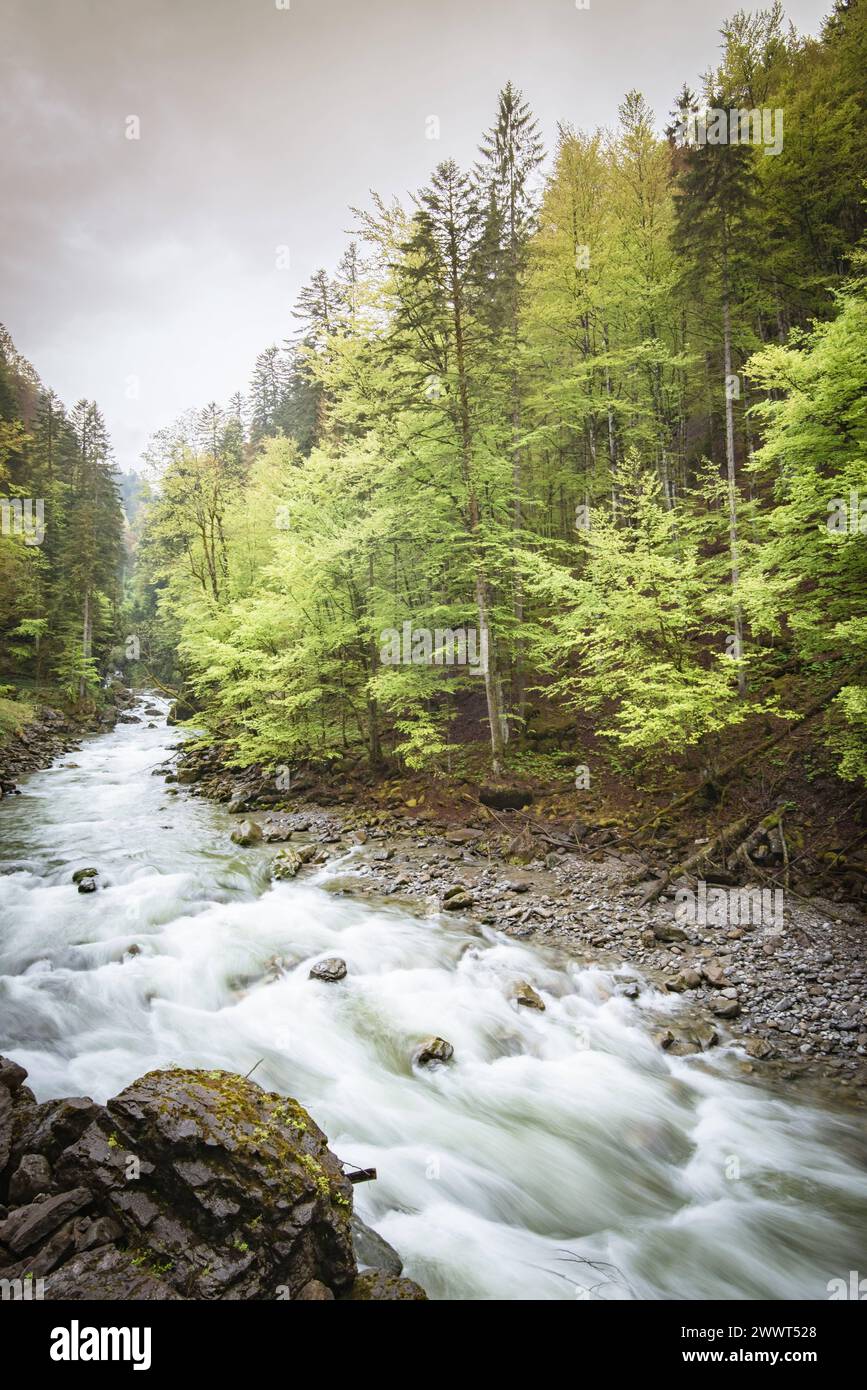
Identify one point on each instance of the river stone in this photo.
(237, 1194)
(12, 1076)
(457, 900)
(524, 993)
(726, 1008)
(88, 885)
(330, 969)
(247, 833)
(686, 979)
(286, 864)
(32, 1176)
(714, 974)
(433, 1050)
(372, 1250)
(759, 1048)
(81, 874)
(666, 931)
(376, 1285)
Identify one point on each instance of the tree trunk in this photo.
(730, 469)
(86, 643)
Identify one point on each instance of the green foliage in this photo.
(597, 418)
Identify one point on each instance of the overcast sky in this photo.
(151, 264)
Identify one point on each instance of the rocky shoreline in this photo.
(792, 997)
(51, 733)
(189, 1184)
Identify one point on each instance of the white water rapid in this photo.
(559, 1155)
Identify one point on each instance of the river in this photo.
(559, 1155)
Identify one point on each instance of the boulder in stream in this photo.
(433, 1050)
(524, 994)
(330, 969)
(286, 864)
(247, 833)
(189, 1184)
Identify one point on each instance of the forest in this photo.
(603, 406)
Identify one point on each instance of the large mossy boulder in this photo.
(189, 1184)
(237, 1194)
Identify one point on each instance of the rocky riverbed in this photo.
(791, 994)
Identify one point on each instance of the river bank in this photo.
(36, 735)
(790, 992)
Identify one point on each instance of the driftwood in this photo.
(697, 860)
(743, 853)
(361, 1175)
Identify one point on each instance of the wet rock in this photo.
(314, 1291)
(11, 1075)
(237, 1191)
(81, 874)
(27, 1225)
(286, 864)
(433, 1050)
(377, 1286)
(108, 1275)
(48, 1128)
(759, 1048)
(705, 1035)
(247, 833)
(372, 1250)
(88, 885)
(696, 1037)
(457, 899)
(726, 1008)
(6, 1125)
(89, 1233)
(667, 931)
(330, 969)
(31, 1177)
(525, 995)
(713, 974)
(686, 979)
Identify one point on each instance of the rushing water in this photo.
(560, 1154)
